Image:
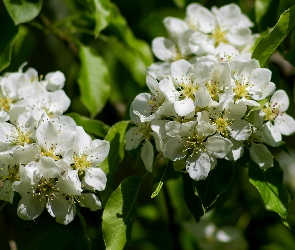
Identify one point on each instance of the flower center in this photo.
(219, 36)
(46, 188)
(194, 143)
(12, 174)
(22, 138)
(154, 103)
(5, 103)
(187, 91)
(270, 113)
(50, 153)
(222, 124)
(213, 89)
(241, 91)
(81, 163)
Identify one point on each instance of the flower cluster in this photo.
(45, 157)
(211, 106)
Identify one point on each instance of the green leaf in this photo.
(269, 183)
(102, 14)
(91, 126)
(284, 5)
(180, 3)
(134, 53)
(268, 43)
(116, 138)
(120, 213)
(8, 36)
(261, 7)
(214, 185)
(22, 11)
(94, 80)
(192, 201)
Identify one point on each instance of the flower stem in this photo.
(163, 178)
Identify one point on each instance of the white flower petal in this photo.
(30, 207)
(95, 178)
(271, 135)
(260, 155)
(218, 146)
(285, 124)
(91, 201)
(174, 149)
(184, 107)
(164, 49)
(280, 100)
(198, 166)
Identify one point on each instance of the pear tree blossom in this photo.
(45, 157)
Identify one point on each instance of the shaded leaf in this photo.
(268, 43)
(120, 213)
(192, 201)
(91, 126)
(261, 7)
(134, 53)
(269, 183)
(8, 36)
(116, 137)
(214, 185)
(284, 5)
(22, 11)
(180, 3)
(94, 80)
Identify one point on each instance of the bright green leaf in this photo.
(116, 138)
(94, 127)
(214, 185)
(268, 43)
(269, 183)
(102, 15)
(120, 213)
(22, 11)
(94, 80)
(8, 36)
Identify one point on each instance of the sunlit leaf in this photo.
(8, 36)
(214, 185)
(102, 15)
(120, 213)
(22, 11)
(268, 43)
(270, 186)
(91, 126)
(94, 80)
(116, 137)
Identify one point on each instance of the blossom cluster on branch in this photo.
(44, 156)
(209, 99)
